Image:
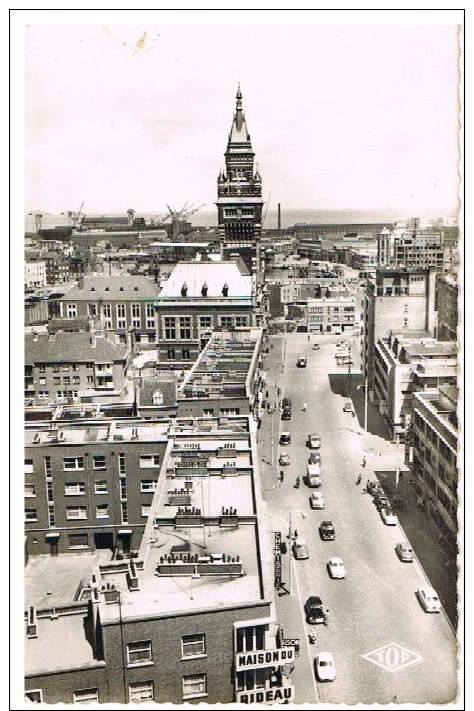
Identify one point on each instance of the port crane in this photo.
(76, 217)
(178, 216)
(38, 215)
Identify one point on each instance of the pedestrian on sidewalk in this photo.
(325, 616)
(359, 479)
(364, 461)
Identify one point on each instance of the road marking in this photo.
(392, 657)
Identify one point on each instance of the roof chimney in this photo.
(93, 340)
(80, 283)
(184, 289)
(225, 290)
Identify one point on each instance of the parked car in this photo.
(286, 414)
(314, 440)
(373, 487)
(336, 568)
(315, 346)
(301, 362)
(314, 458)
(283, 459)
(389, 517)
(286, 402)
(300, 549)
(429, 599)
(404, 552)
(313, 476)
(285, 438)
(316, 501)
(381, 501)
(324, 667)
(313, 608)
(347, 407)
(327, 531)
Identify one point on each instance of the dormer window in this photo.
(135, 288)
(225, 290)
(106, 288)
(204, 289)
(121, 288)
(92, 288)
(184, 289)
(158, 397)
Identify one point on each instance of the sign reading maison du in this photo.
(276, 695)
(265, 658)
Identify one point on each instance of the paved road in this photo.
(374, 609)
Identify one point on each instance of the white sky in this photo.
(356, 115)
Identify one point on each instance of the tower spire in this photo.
(239, 114)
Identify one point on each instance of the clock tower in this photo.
(239, 195)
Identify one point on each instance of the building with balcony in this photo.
(197, 298)
(191, 617)
(406, 363)
(74, 367)
(435, 458)
(89, 483)
(118, 303)
(401, 299)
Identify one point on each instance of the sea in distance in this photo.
(205, 218)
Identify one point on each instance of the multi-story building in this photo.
(406, 248)
(89, 484)
(401, 299)
(197, 298)
(336, 312)
(119, 303)
(224, 379)
(70, 367)
(57, 266)
(239, 195)
(447, 306)
(191, 617)
(35, 273)
(405, 363)
(435, 457)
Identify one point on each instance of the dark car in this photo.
(285, 438)
(313, 608)
(381, 501)
(286, 402)
(314, 458)
(326, 531)
(286, 414)
(373, 487)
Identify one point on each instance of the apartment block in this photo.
(447, 307)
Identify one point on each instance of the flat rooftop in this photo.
(90, 432)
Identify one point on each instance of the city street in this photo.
(385, 646)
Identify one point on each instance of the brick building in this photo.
(447, 306)
(89, 484)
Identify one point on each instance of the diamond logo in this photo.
(392, 657)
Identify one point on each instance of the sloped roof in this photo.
(150, 385)
(214, 274)
(71, 347)
(124, 286)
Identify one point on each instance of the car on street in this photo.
(314, 458)
(374, 488)
(324, 666)
(286, 414)
(336, 568)
(389, 517)
(347, 407)
(300, 549)
(286, 402)
(285, 438)
(313, 609)
(314, 440)
(327, 531)
(283, 459)
(429, 599)
(405, 552)
(315, 346)
(381, 501)
(301, 362)
(316, 500)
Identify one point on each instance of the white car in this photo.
(405, 552)
(324, 666)
(314, 440)
(389, 517)
(429, 599)
(300, 549)
(316, 501)
(336, 568)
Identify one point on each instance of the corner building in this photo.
(239, 195)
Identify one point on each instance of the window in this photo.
(205, 322)
(29, 466)
(100, 487)
(157, 397)
(241, 320)
(150, 316)
(42, 381)
(102, 511)
(185, 354)
(47, 467)
(71, 310)
(31, 515)
(74, 513)
(136, 315)
(193, 645)
(194, 685)
(43, 394)
(65, 368)
(227, 321)
(90, 379)
(185, 328)
(121, 316)
(146, 510)
(42, 368)
(170, 354)
(149, 460)
(89, 366)
(30, 490)
(141, 691)
(170, 328)
(98, 462)
(121, 463)
(66, 380)
(93, 310)
(72, 488)
(34, 695)
(76, 380)
(208, 412)
(148, 485)
(73, 463)
(139, 652)
(86, 696)
(56, 381)
(124, 507)
(107, 308)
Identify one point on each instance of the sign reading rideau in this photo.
(277, 560)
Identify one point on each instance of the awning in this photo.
(53, 535)
(125, 532)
